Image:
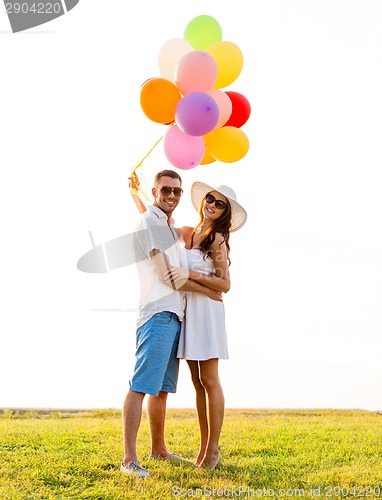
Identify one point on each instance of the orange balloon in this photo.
(207, 159)
(159, 98)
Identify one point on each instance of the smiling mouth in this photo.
(170, 203)
(209, 210)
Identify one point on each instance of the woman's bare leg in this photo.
(201, 408)
(209, 377)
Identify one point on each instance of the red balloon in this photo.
(241, 110)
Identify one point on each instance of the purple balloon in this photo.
(182, 150)
(197, 113)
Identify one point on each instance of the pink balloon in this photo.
(197, 113)
(225, 106)
(182, 150)
(196, 71)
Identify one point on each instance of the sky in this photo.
(304, 315)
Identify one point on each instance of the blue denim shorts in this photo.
(156, 361)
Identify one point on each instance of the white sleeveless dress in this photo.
(203, 335)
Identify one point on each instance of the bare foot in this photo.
(199, 458)
(210, 462)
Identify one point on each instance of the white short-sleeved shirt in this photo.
(153, 232)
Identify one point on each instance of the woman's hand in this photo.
(176, 275)
(215, 295)
(179, 276)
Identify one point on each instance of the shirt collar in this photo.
(159, 213)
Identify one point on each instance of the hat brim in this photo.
(239, 214)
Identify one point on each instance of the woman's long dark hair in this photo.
(221, 225)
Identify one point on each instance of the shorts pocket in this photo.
(164, 317)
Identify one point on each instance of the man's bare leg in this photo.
(156, 412)
(131, 419)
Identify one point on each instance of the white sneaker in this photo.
(134, 468)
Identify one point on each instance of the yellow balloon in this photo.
(227, 144)
(229, 59)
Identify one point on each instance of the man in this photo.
(158, 324)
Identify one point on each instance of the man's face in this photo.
(166, 199)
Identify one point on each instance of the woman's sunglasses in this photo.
(219, 204)
(167, 190)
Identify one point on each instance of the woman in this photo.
(203, 339)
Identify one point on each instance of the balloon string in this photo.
(140, 165)
(147, 155)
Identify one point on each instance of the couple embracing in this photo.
(181, 313)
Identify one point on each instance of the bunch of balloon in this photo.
(204, 122)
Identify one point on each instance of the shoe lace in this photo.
(135, 465)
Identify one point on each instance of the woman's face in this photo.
(215, 204)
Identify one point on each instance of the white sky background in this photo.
(304, 313)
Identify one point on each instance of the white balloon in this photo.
(170, 54)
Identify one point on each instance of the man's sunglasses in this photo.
(219, 204)
(167, 190)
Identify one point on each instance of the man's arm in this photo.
(134, 190)
(220, 280)
(162, 267)
(194, 286)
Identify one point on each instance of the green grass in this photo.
(267, 453)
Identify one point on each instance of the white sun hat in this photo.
(239, 215)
